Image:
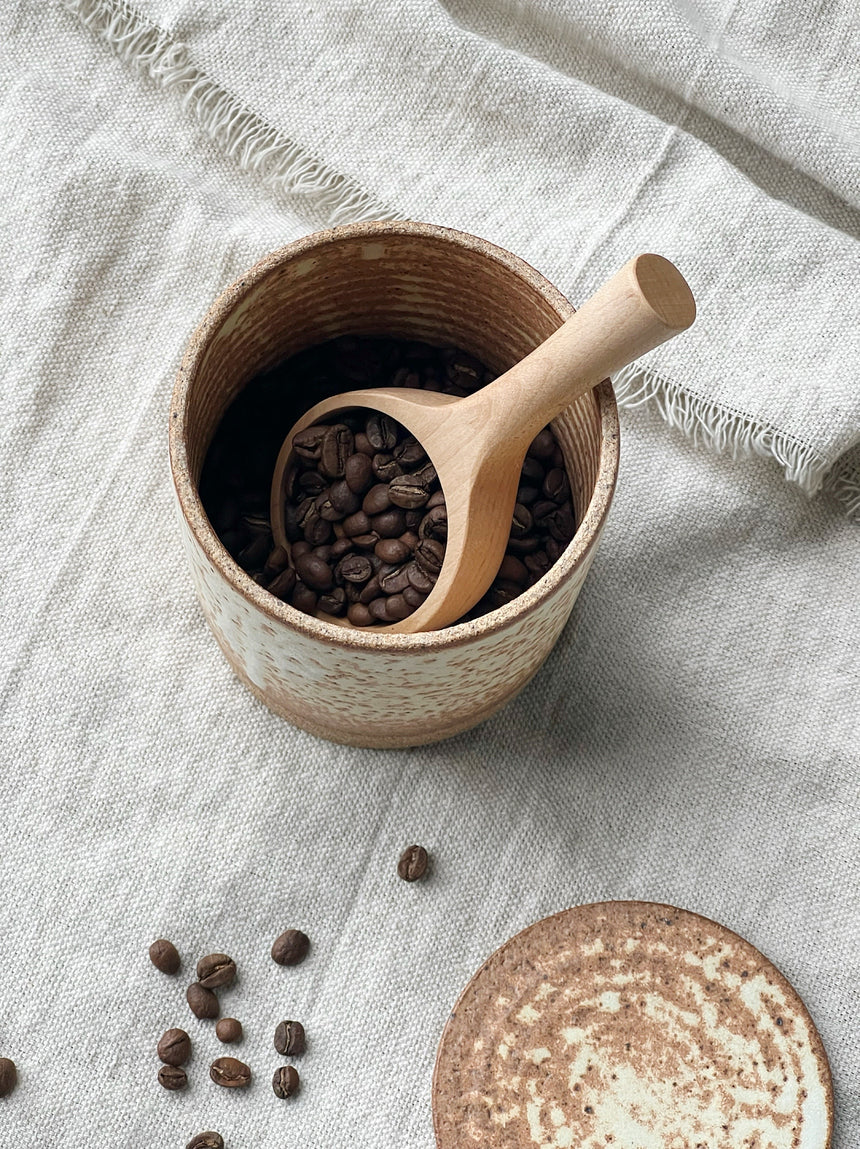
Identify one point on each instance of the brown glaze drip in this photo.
(636, 1025)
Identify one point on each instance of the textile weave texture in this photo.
(693, 738)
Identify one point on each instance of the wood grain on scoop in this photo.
(630, 1025)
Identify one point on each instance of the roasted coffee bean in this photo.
(256, 552)
(357, 524)
(312, 483)
(174, 1047)
(364, 445)
(228, 1030)
(164, 956)
(562, 525)
(303, 598)
(532, 472)
(537, 564)
(389, 524)
(542, 445)
(172, 1077)
(308, 443)
(513, 570)
(437, 499)
(394, 581)
(282, 585)
(230, 1073)
(358, 473)
(501, 593)
(541, 509)
(556, 486)
(413, 597)
(412, 864)
(338, 443)
(8, 1076)
(427, 475)
(324, 508)
(554, 550)
(434, 525)
(376, 500)
(314, 572)
(203, 1002)
(315, 529)
(523, 546)
(359, 615)
(342, 499)
(526, 496)
(276, 562)
(290, 1038)
(379, 610)
(340, 548)
(290, 947)
(397, 607)
(207, 1140)
(392, 550)
(300, 548)
(429, 555)
(285, 1081)
(370, 591)
(386, 467)
(354, 568)
(409, 452)
(381, 431)
(521, 522)
(418, 579)
(333, 602)
(366, 542)
(216, 970)
(408, 492)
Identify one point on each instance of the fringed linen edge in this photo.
(245, 137)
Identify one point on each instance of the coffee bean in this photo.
(537, 564)
(164, 956)
(228, 1030)
(290, 1038)
(364, 445)
(215, 970)
(340, 547)
(291, 947)
(358, 473)
(532, 472)
(172, 1077)
(300, 548)
(354, 569)
(513, 570)
(413, 863)
(409, 452)
(521, 522)
(357, 524)
(202, 1001)
(312, 483)
(303, 598)
(230, 1073)
(541, 510)
(527, 495)
(562, 525)
(308, 443)
(434, 525)
(8, 1076)
(542, 445)
(413, 596)
(282, 585)
(376, 500)
(398, 607)
(437, 499)
(324, 509)
(256, 552)
(342, 499)
(389, 524)
(523, 546)
(337, 445)
(556, 486)
(418, 579)
(379, 610)
(381, 431)
(333, 602)
(285, 1081)
(277, 561)
(174, 1047)
(554, 550)
(386, 467)
(408, 492)
(314, 572)
(392, 550)
(429, 555)
(359, 615)
(208, 1140)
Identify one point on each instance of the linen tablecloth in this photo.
(692, 739)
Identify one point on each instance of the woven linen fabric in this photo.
(692, 739)
(723, 135)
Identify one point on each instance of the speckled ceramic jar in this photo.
(405, 280)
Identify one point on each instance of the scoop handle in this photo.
(647, 302)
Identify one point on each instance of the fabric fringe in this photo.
(728, 432)
(256, 146)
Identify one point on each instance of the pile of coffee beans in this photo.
(217, 971)
(237, 475)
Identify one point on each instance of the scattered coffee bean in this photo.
(209, 1140)
(230, 1073)
(203, 1002)
(285, 1081)
(172, 1077)
(228, 1030)
(174, 1047)
(413, 863)
(291, 947)
(164, 956)
(215, 970)
(290, 1038)
(8, 1076)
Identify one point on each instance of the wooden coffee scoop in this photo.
(477, 444)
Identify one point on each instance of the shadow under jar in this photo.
(405, 281)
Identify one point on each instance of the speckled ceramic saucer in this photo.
(634, 1026)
